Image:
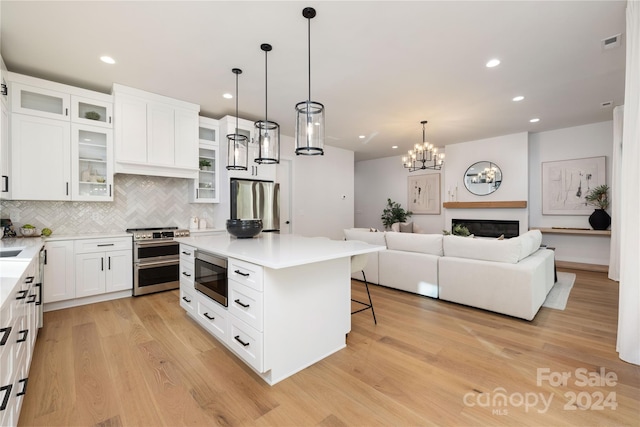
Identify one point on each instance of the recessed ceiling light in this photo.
(493, 63)
(534, 120)
(361, 137)
(227, 96)
(518, 98)
(107, 60)
(394, 146)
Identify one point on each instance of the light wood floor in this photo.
(143, 362)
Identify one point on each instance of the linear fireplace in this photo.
(490, 228)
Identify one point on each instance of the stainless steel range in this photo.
(156, 259)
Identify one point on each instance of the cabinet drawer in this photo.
(187, 253)
(213, 317)
(246, 342)
(245, 273)
(186, 271)
(246, 304)
(102, 245)
(188, 297)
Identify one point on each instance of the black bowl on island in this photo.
(244, 228)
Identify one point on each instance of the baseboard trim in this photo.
(582, 266)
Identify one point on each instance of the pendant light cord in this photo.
(266, 90)
(235, 132)
(309, 53)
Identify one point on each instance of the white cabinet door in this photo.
(5, 169)
(41, 158)
(186, 139)
(91, 112)
(90, 274)
(91, 163)
(119, 274)
(59, 274)
(39, 102)
(160, 134)
(131, 129)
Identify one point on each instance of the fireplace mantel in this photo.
(509, 204)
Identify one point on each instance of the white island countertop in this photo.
(276, 251)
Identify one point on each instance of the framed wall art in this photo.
(565, 183)
(424, 194)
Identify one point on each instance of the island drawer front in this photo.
(188, 297)
(246, 342)
(246, 273)
(187, 253)
(82, 246)
(246, 304)
(213, 317)
(186, 272)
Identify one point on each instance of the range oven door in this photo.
(149, 277)
(211, 276)
(155, 251)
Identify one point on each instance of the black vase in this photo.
(600, 219)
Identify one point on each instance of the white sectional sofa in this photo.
(511, 276)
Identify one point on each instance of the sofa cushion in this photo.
(365, 235)
(411, 242)
(530, 242)
(406, 227)
(508, 250)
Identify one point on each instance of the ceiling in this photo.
(379, 67)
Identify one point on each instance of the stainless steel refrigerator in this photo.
(251, 199)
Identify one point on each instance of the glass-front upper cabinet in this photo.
(205, 189)
(91, 112)
(92, 163)
(37, 101)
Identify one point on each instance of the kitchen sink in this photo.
(9, 253)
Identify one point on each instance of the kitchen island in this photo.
(289, 298)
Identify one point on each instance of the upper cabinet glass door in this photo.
(39, 102)
(92, 174)
(91, 112)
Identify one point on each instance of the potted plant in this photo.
(599, 197)
(204, 164)
(394, 213)
(458, 230)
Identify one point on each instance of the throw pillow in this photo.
(501, 237)
(406, 227)
(373, 230)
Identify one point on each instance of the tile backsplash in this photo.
(139, 201)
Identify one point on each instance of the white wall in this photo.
(591, 140)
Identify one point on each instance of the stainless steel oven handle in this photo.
(158, 243)
(144, 265)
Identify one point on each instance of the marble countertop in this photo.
(276, 251)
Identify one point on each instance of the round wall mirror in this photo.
(483, 178)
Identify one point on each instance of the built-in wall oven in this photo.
(156, 259)
(211, 276)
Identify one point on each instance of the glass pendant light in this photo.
(237, 145)
(309, 114)
(267, 134)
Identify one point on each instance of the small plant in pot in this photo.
(394, 213)
(599, 197)
(205, 164)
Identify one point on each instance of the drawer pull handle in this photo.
(105, 244)
(22, 294)
(237, 338)
(32, 298)
(7, 393)
(29, 279)
(187, 299)
(25, 332)
(24, 387)
(241, 273)
(241, 303)
(184, 273)
(186, 253)
(209, 317)
(5, 334)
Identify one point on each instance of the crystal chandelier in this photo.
(423, 156)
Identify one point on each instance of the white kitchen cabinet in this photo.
(103, 266)
(154, 134)
(41, 158)
(188, 299)
(92, 163)
(59, 271)
(4, 86)
(254, 170)
(18, 331)
(206, 187)
(5, 154)
(43, 139)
